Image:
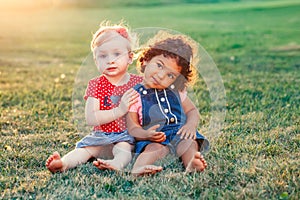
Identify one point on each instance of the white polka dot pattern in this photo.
(100, 88)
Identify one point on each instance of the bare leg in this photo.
(152, 153)
(191, 157)
(122, 153)
(72, 159)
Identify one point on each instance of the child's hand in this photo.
(155, 136)
(129, 98)
(187, 132)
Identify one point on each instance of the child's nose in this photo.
(111, 59)
(161, 74)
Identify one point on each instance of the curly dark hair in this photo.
(177, 47)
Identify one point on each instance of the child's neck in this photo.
(119, 80)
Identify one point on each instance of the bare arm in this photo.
(135, 129)
(95, 117)
(188, 130)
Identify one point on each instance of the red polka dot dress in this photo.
(109, 96)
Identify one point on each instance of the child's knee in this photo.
(153, 147)
(186, 145)
(157, 148)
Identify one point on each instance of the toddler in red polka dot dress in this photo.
(108, 98)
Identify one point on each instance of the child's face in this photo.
(113, 57)
(160, 72)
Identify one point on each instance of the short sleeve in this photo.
(183, 95)
(135, 107)
(91, 90)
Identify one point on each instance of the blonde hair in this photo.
(180, 47)
(108, 31)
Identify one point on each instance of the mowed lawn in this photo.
(256, 47)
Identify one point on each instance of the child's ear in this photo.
(143, 62)
(130, 61)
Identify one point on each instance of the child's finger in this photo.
(154, 127)
(159, 138)
(134, 96)
(129, 91)
(193, 134)
(182, 133)
(159, 134)
(133, 100)
(179, 131)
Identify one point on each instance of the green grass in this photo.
(255, 157)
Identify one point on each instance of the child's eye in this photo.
(171, 76)
(117, 54)
(102, 56)
(160, 66)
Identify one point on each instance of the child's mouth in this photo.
(155, 81)
(111, 68)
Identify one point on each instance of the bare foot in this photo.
(54, 163)
(198, 163)
(104, 165)
(147, 170)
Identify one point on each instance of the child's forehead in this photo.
(169, 62)
(164, 58)
(116, 44)
(110, 48)
(111, 37)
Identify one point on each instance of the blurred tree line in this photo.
(36, 4)
(130, 3)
